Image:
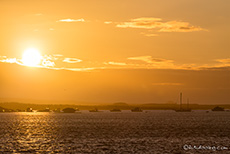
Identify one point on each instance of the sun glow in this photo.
(31, 57)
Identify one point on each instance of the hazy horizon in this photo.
(159, 86)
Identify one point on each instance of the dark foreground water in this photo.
(106, 132)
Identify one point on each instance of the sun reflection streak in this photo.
(33, 131)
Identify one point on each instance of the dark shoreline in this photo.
(122, 106)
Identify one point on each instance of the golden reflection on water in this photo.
(33, 131)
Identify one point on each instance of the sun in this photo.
(31, 57)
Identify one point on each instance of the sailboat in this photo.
(181, 109)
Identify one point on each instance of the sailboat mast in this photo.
(180, 101)
(188, 103)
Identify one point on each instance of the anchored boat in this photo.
(115, 110)
(218, 108)
(136, 109)
(94, 110)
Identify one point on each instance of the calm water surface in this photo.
(106, 132)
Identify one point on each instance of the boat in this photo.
(69, 110)
(136, 109)
(94, 110)
(45, 110)
(29, 109)
(218, 108)
(181, 109)
(115, 110)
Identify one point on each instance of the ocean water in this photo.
(124, 132)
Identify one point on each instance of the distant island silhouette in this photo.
(116, 107)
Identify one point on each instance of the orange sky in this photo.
(107, 51)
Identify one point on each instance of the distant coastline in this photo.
(121, 106)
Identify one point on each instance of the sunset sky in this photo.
(134, 51)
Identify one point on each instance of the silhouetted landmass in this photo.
(5, 110)
(10, 106)
(1, 108)
(120, 104)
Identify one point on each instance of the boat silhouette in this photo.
(69, 110)
(115, 110)
(136, 109)
(218, 108)
(94, 110)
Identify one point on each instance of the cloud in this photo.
(223, 64)
(146, 23)
(53, 62)
(8, 60)
(161, 26)
(178, 26)
(167, 84)
(149, 34)
(149, 59)
(85, 69)
(59, 62)
(214, 68)
(72, 60)
(224, 61)
(48, 63)
(108, 22)
(72, 20)
(152, 63)
(115, 63)
(5, 59)
(146, 19)
(80, 69)
(49, 57)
